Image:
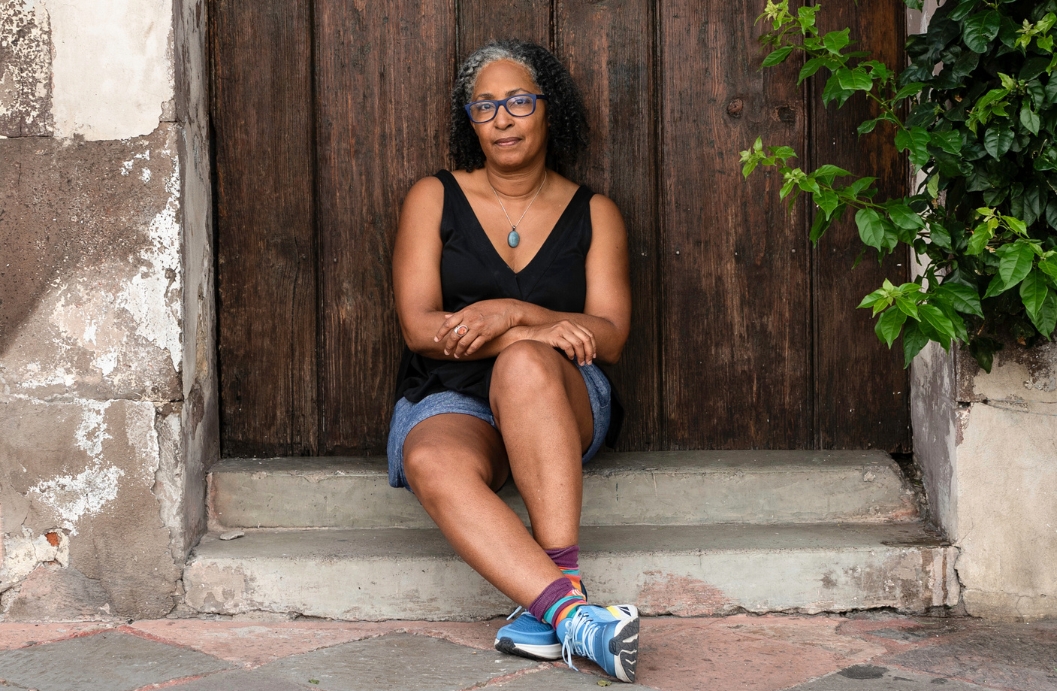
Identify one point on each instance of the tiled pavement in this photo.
(874, 652)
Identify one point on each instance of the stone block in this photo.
(987, 444)
(87, 469)
(25, 69)
(90, 286)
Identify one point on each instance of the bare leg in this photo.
(454, 463)
(544, 415)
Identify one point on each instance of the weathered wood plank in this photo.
(265, 252)
(608, 47)
(382, 124)
(862, 390)
(736, 314)
(481, 21)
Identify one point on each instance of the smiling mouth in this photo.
(507, 141)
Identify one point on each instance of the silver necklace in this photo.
(513, 238)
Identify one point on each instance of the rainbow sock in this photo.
(557, 602)
(567, 559)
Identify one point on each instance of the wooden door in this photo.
(326, 111)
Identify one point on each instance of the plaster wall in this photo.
(107, 395)
(987, 447)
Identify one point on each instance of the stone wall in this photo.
(107, 394)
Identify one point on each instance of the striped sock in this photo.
(557, 602)
(567, 559)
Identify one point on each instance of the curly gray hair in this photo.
(566, 119)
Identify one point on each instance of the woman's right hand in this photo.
(576, 341)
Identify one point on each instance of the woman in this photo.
(510, 282)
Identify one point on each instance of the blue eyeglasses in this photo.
(518, 105)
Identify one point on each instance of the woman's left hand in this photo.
(463, 332)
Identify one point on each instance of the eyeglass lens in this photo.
(520, 105)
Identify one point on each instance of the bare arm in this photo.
(428, 330)
(605, 322)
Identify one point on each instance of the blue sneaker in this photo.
(529, 637)
(608, 636)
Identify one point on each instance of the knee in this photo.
(423, 464)
(526, 366)
(435, 470)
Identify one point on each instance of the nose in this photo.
(503, 118)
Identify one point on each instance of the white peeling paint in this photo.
(74, 496)
(91, 433)
(112, 67)
(23, 553)
(106, 362)
(153, 296)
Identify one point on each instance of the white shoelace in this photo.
(582, 620)
(515, 613)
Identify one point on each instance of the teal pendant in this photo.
(513, 239)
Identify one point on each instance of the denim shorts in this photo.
(406, 415)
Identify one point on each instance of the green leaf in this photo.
(903, 217)
(963, 298)
(811, 67)
(1016, 225)
(1016, 262)
(913, 341)
(1033, 67)
(982, 235)
(934, 317)
(962, 10)
(951, 141)
(873, 298)
(1049, 267)
(907, 307)
(854, 80)
(1047, 318)
(916, 139)
(871, 230)
(1030, 120)
(933, 186)
(996, 287)
(836, 40)
(833, 91)
(827, 200)
(889, 325)
(911, 89)
(819, 227)
(830, 171)
(980, 29)
(777, 57)
(867, 127)
(939, 236)
(997, 141)
(1033, 293)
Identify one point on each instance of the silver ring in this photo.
(461, 330)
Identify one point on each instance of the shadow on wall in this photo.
(69, 206)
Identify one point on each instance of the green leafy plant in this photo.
(976, 113)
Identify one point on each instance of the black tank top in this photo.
(471, 270)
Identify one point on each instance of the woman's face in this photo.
(509, 141)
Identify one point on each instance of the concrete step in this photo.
(394, 573)
(657, 488)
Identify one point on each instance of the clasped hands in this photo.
(488, 320)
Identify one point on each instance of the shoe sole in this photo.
(543, 653)
(624, 646)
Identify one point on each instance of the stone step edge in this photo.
(234, 502)
(792, 568)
